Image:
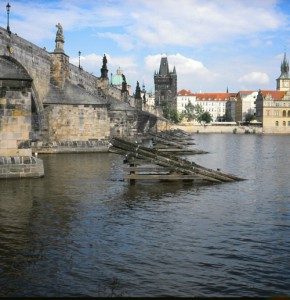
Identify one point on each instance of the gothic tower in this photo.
(283, 82)
(165, 85)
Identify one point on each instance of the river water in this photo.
(83, 231)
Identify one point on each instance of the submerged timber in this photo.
(170, 167)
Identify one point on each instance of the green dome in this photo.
(117, 79)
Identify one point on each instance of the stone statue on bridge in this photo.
(124, 84)
(59, 30)
(105, 61)
(59, 40)
(104, 69)
(138, 91)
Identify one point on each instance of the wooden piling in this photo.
(181, 169)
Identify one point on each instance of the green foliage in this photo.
(204, 117)
(170, 114)
(249, 117)
(165, 109)
(192, 112)
(175, 116)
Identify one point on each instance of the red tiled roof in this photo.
(184, 93)
(212, 96)
(246, 92)
(276, 95)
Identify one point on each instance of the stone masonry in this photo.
(49, 105)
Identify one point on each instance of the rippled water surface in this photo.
(82, 231)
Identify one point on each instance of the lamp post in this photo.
(80, 59)
(8, 12)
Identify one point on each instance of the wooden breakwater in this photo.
(174, 141)
(170, 167)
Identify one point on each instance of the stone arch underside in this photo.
(12, 71)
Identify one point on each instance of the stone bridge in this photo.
(49, 105)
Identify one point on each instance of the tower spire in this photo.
(285, 67)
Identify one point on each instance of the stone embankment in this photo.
(20, 167)
(190, 128)
(71, 146)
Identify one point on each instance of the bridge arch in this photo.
(11, 71)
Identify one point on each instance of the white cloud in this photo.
(183, 65)
(189, 23)
(255, 78)
(122, 40)
(197, 22)
(92, 63)
(215, 31)
(191, 74)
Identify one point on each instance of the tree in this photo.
(204, 117)
(249, 117)
(192, 112)
(165, 109)
(174, 115)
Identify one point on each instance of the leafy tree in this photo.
(249, 117)
(170, 114)
(204, 117)
(165, 109)
(192, 112)
(174, 116)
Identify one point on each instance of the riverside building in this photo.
(273, 107)
(214, 103)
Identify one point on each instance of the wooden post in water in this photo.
(132, 165)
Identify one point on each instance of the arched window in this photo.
(277, 123)
(284, 113)
(288, 113)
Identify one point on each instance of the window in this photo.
(284, 123)
(284, 113)
(277, 123)
(276, 113)
(268, 113)
(288, 123)
(288, 113)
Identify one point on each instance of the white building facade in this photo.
(183, 98)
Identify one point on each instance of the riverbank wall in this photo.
(71, 146)
(190, 128)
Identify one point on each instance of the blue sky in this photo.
(215, 44)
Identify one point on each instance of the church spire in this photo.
(284, 67)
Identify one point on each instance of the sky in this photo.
(214, 45)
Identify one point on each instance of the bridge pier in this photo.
(16, 160)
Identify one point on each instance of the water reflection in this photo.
(83, 231)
